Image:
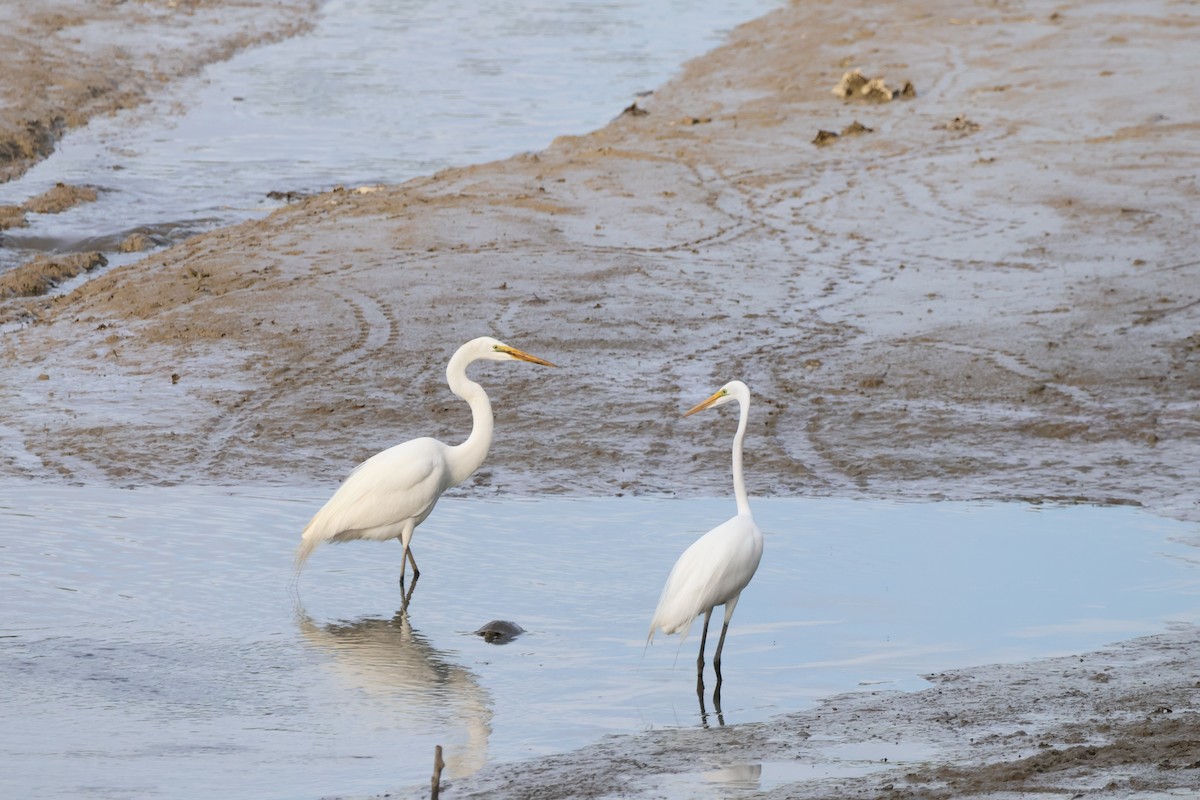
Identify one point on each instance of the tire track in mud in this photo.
(714, 185)
(795, 462)
(375, 329)
(1016, 365)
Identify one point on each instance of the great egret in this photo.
(392, 492)
(716, 567)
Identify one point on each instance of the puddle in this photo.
(380, 91)
(154, 641)
(827, 760)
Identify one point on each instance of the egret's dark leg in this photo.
(729, 606)
(404, 559)
(406, 596)
(717, 657)
(700, 695)
(405, 538)
(700, 658)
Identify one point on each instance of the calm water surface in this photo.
(154, 641)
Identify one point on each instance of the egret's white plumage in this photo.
(391, 493)
(715, 569)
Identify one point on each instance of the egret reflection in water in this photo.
(414, 681)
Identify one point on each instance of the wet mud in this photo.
(993, 294)
(68, 61)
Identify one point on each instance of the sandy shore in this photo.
(989, 293)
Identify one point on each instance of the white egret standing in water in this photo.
(715, 569)
(391, 493)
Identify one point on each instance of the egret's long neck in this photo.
(471, 453)
(739, 482)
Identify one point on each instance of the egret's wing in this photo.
(736, 544)
(711, 571)
(399, 483)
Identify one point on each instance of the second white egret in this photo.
(715, 569)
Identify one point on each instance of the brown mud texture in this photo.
(985, 287)
(64, 61)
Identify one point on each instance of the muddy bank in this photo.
(64, 62)
(988, 291)
(1121, 722)
(1005, 310)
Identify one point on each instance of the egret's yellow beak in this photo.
(523, 356)
(707, 403)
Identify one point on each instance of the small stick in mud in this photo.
(436, 781)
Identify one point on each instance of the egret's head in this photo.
(496, 350)
(734, 390)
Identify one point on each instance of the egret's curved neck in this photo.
(739, 482)
(470, 454)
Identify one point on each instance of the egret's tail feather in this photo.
(307, 545)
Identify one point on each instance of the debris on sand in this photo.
(634, 110)
(855, 128)
(45, 272)
(959, 124)
(856, 86)
(288, 196)
(692, 121)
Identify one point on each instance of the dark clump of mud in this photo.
(824, 137)
(855, 128)
(960, 125)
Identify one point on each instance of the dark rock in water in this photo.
(500, 631)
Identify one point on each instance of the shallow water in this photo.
(154, 641)
(830, 760)
(380, 91)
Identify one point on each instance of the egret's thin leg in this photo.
(405, 538)
(703, 640)
(700, 695)
(406, 596)
(700, 658)
(717, 657)
(729, 607)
